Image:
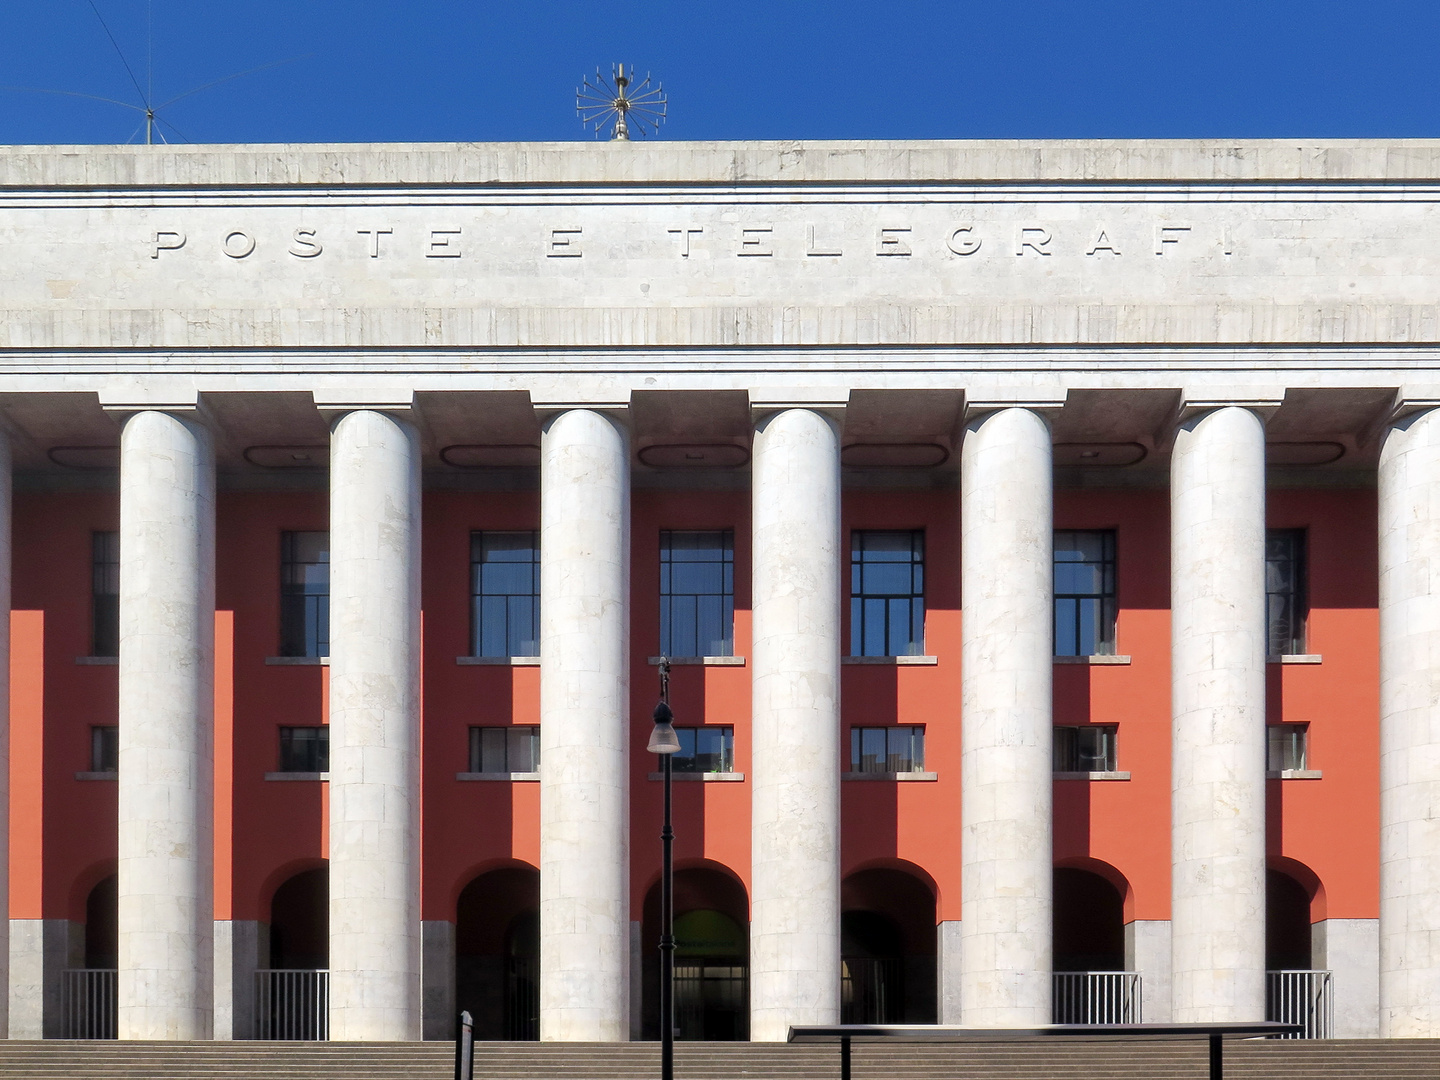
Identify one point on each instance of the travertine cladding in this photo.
(166, 714)
(375, 990)
(1006, 581)
(1409, 508)
(585, 738)
(795, 725)
(674, 245)
(1217, 643)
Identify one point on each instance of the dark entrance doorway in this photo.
(887, 948)
(1288, 945)
(1089, 926)
(712, 957)
(497, 953)
(300, 922)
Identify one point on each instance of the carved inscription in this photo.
(965, 240)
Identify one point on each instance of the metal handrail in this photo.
(1301, 997)
(1097, 997)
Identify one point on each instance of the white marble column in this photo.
(584, 730)
(375, 990)
(167, 698)
(795, 762)
(1217, 650)
(1006, 774)
(1409, 483)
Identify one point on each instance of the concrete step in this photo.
(1035, 1060)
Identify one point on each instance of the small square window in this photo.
(1086, 749)
(104, 748)
(305, 749)
(704, 750)
(509, 749)
(1287, 748)
(887, 749)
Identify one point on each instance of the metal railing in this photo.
(1301, 997)
(292, 1005)
(1097, 997)
(87, 1003)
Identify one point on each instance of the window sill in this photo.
(699, 661)
(297, 776)
(95, 776)
(297, 661)
(1094, 661)
(902, 777)
(1295, 658)
(497, 661)
(97, 661)
(892, 661)
(517, 777)
(702, 777)
(1293, 774)
(1092, 776)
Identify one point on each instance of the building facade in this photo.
(1042, 539)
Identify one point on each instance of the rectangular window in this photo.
(704, 750)
(305, 749)
(305, 594)
(1086, 749)
(697, 593)
(887, 749)
(1288, 747)
(1084, 592)
(507, 749)
(104, 748)
(887, 592)
(105, 594)
(1286, 605)
(505, 596)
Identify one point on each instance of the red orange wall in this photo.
(62, 829)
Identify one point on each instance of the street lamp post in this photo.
(665, 742)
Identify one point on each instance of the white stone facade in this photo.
(1021, 306)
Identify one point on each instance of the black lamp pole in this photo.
(664, 742)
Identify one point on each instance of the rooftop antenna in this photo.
(148, 107)
(618, 101)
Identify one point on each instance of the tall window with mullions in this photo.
(697, 592)
(887, 592)
(1286, 606)
(505, 593)
(305, 594)
(105, 594)
(1085, 592)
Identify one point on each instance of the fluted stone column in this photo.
(1006, 774)
(167, 697)
(374, 728)
(1410, 728)
(1217, 648)
(795, 762)
(584, 730)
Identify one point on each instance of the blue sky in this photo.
(420, 70)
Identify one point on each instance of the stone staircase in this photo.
(1072, 1059)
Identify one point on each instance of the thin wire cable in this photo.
(71, 93)
(227, 78)
(119, 52)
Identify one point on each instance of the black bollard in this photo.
(465, 1048)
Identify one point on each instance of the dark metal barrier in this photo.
(465, 1048)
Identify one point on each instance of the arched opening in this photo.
(887, 948)
(497, 953)
(102, 948)
(1089, 922)
(1091, 985)
(300, 922)
(712, 957)
(1288, 943)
